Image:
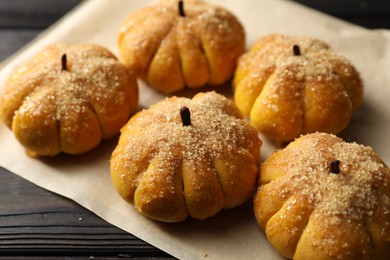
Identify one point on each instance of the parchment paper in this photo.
(232, 234)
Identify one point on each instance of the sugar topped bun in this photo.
(174, 44)
(323, 198)
(173, 162)
(67, 99)
(290, 86)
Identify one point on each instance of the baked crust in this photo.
(170, 171)
(309, 210)
(286, 95)
(54, 105)
(170, 51)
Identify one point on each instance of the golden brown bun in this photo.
(169, 51)
(286, 95)
(309, 211)
(170, 171)
(53, 109)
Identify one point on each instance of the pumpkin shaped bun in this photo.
(184, 157)
(174, 44)
(290, 86)
(67, 99)
(324, 198)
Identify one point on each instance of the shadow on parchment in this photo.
(367, 125)
(145, 90)
(215, 226)
(100, 153)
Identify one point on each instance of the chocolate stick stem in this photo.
(296, 50)
(335, 167)
(185, 116)
(181, 8)
(63, 62)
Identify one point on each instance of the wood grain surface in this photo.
(38, 224)
(35, 222)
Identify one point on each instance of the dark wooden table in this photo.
(37, 224)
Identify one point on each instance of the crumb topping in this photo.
(216, 130)
(68, 89)
(299, 81)
(316, 61)
(84, 81)
(207, 37)
(353, 193)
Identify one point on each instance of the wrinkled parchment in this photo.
(232, 234)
